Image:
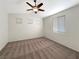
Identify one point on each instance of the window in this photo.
(59, 25)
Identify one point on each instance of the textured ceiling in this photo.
(50, 6)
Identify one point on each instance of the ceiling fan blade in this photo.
(29, 9)
(39, 5)
(29, 4)
(41, 10)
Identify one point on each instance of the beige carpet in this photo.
(40, 48)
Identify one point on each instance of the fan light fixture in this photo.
(35, 8)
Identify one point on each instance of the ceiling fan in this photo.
(35, 8)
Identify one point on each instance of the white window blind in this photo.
(59, 24)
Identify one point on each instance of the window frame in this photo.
(56, 21)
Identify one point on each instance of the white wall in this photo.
(70, 38)
(3, 25)
(24, 30)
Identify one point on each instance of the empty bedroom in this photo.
(39, 29)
